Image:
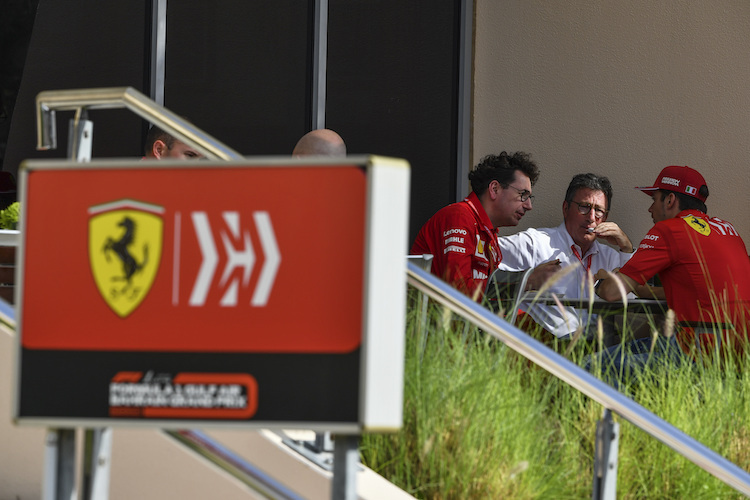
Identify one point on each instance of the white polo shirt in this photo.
(532, 247)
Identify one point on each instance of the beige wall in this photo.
(620, 88)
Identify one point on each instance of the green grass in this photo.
(482, 422)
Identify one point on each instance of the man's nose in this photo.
(528, 205)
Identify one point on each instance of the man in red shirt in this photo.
(462, 237)
(702, 263)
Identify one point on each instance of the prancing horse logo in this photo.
(125, 244)
(698, 224)
(130, 266)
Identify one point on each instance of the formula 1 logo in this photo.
(125, 247)
(700, 225)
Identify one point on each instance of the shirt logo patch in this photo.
(479, 252)
(700, 225)
(455, 249)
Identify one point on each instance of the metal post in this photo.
(345, 465)
(97, 461)
(323, 442)
(605, 458)
(158, 49)
(59, 465)
(80, 137)
(320, 64)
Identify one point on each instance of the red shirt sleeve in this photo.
(651, 257)
(451, 237)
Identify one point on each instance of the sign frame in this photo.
(378, 361)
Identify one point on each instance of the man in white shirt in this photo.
(574, 242)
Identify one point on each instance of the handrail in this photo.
(233, 464)
(48, 101)
(573, 375)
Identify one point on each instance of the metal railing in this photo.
(576, 377)
(80, 100)
(226, 459)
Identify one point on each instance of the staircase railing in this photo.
(576, 377)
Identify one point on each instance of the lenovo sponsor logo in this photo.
(454, 231)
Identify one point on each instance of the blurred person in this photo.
(161, 145)
(320, 142)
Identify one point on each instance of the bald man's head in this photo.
(322, 142)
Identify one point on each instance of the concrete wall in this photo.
(620, 88)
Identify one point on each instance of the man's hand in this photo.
(614, 235)
(542, 273)
(613, 285)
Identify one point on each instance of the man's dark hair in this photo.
(590, 181)
(501, 168)
(156, 134)
(687, 202)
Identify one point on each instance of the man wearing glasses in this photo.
(575, 242)
(462, 237)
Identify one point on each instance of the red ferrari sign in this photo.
(201, 259)
(183, 294)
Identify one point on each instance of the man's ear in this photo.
(158, 149)
(493, 190)
(671, 200)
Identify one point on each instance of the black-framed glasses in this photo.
(525, 193)
(585, 208)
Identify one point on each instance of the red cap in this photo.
(680, 180)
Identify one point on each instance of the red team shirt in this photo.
(701, 261)
(463, 243)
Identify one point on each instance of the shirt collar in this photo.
(593, 250)
(476, 204)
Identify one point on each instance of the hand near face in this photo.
(612, 233)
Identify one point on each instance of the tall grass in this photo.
(482, 422)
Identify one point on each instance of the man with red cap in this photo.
(703, 265)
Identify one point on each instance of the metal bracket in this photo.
(80, 137)
(323, 459)
(605, 458)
